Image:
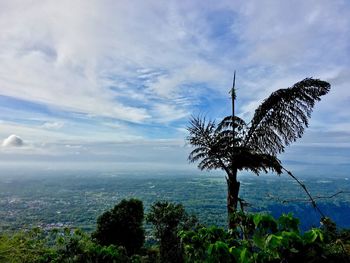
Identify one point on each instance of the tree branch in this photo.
(307, 200)
(312, 200)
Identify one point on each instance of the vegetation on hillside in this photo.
(180, 238)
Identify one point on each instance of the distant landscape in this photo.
(76, 199)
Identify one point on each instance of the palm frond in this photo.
(227, 123)
(244, 158)
(208, 145)
(282, 117)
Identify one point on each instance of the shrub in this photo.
(122, 226)
(168, 219)
(261, 238)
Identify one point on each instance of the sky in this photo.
(104, 83)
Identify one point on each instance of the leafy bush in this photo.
(261, 238)
(57, 247)
(78, 247)
(25, 246)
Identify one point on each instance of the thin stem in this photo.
(233, 97)
(306, 200)
(313, 202)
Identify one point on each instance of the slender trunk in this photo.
(232, 198)
(232, 183)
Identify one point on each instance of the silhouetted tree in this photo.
(168, 219)
(234, 145)
(122, 226)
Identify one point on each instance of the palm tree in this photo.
(234, 145)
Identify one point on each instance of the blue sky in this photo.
(115, 82)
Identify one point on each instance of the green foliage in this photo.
(287, 222)
(122, 226)
(57, 247)
(78, 247)
(205, 244)
(261, 238)
(25, 246)
(255, 238)
(168, 219)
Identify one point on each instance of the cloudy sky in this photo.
(116, 81)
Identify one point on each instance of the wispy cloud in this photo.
(53, 125)
(108, 70)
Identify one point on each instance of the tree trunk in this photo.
(232, 198)
(232, 183)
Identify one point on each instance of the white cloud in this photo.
(12, 141)
(53, 125)
(169, 112)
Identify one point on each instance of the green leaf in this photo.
(259, 240)
(273, 241)
(256, 219)
(287, 222)
(210, 249)
(293, 250)
(244, 255)
(312, 235)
